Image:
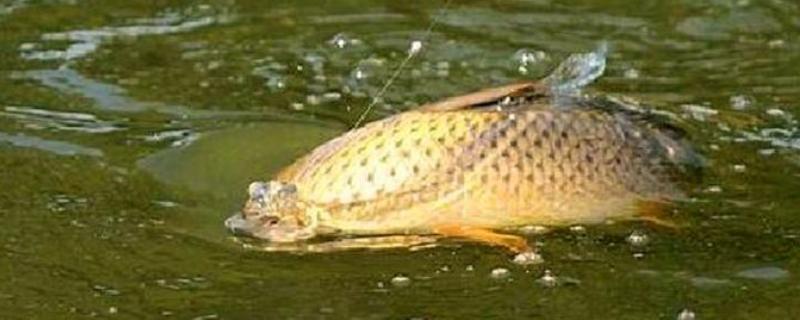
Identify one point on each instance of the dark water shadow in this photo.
(216, 169)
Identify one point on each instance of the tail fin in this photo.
(668, 140)
(577, 71)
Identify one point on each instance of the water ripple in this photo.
(52, 146)
(63, 121)
(84, 42)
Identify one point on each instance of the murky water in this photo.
(129, 130)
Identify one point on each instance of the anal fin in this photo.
(655, 212)
(514, 243)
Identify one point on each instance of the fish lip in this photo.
(238, 225)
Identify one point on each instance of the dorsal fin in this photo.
(487, 97)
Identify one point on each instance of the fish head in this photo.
(274, 213)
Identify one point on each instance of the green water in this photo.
(130, 129)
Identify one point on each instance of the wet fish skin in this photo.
(490, 167)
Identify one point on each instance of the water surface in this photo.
(129, 131)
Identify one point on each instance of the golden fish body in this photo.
(485, 165)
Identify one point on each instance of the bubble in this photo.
(320, 78)
(528, 258)
(686, 314)
(342, 40)
(400, 281)
(741, 102)
(359, 74)
(213, 65)
(698, 112)
(777, 43)
(766, 152)
(316, 61)
(415, 47)
(338, 42)
(106, 290)
(331, 96)
(638, 238)
(776, 112)
(63, 202)
(706, 282)
(548, 279)
(764, 273)
(739, 168)
(272, 73)
(500, 273)
(469, 268)
(533, 230)
(28, 46)
(165, 203)
(631, 73)
(365, 69)
(313, 100)
(193, 283)
(275, 83)
(577, 229)
(525, 59)
(503, 103)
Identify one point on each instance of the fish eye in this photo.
(258, 190)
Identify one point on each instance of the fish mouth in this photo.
(238, 225)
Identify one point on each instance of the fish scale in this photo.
(485, 166)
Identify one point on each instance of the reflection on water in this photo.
(39, 119)
(84, 42)
(67, 80)
(126, 137)
(9, 7)
(57, 147)
(224, 162)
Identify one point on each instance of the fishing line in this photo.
(416, 47)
